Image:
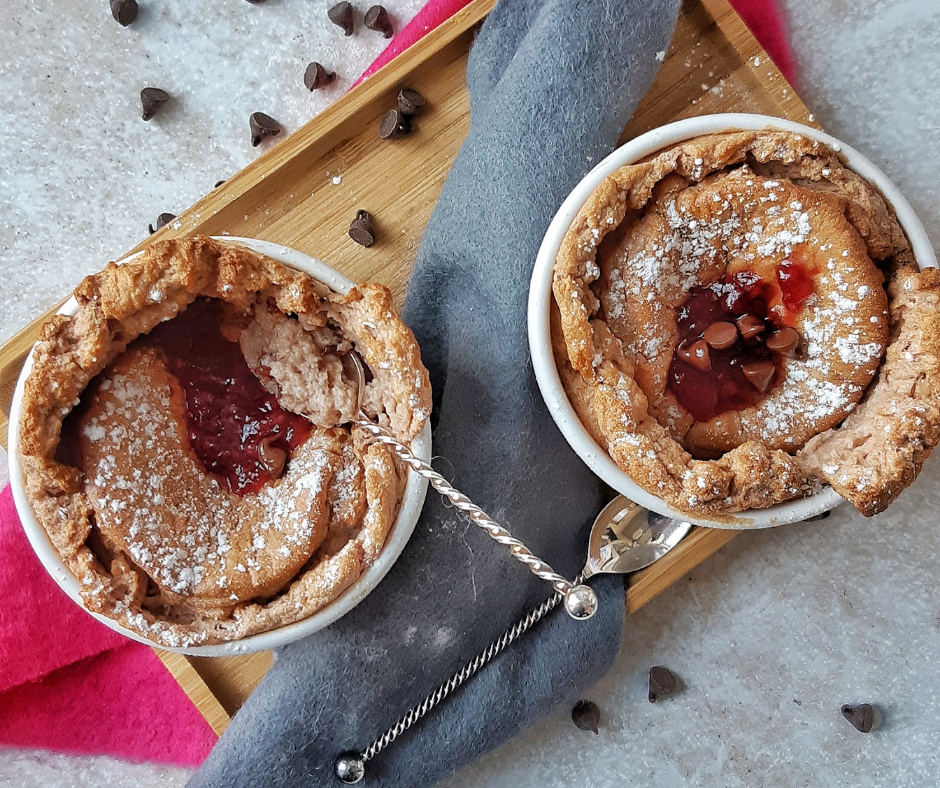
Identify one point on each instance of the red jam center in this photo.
(724, 387)
(796, 284)
(231, 418)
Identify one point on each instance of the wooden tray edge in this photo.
(198, 691)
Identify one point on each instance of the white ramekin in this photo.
(540, 296)
(412, 500)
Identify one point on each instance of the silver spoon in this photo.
(580, 600)
(624, 538)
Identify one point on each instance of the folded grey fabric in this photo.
(552, 84)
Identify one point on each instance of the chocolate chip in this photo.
(721, 335)
(394, 125)
(586, 715)
(663, 683)
(341, 14)
(162, 219)
(262, 126)
(361, 229)
(862, 716)
(124, 11)
(377, 19)
(759, 374)
(218, 184)
(695, 354)
(273, 458)
(151, 99)
(316, 76)
(785, 342)
(749, 326)
(409, 101)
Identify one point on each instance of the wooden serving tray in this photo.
(289, 196)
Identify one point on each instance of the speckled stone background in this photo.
(770, 636)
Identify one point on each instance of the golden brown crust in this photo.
(345, 519)
(614, 369)
(738, 223)
(880, 448)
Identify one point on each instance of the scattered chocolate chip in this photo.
(262, 126)
(394, 125)
(785, 342)
(124, 11)
(585, 715)
(759, 374)
(663, 683)
(721, 335)
(316, 76)
(409, 101)
(341, 14)
(361, 229)
(862, 716)
(749, 326)
(218, 184)
(151, 99)
(695, 354)
(162, 219)
(377, 19)
(272, 457)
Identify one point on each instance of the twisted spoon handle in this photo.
(350, 766)
(462, 502)
(580, 601)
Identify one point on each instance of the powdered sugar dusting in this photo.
(199, 538)
(753, 224)
(812, 391)
(695, 240)
(852, 352)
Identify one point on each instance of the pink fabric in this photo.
(761, 16)
(122, 703)
(429, 17)
(765, 21)
(40, 629)
(69, 683)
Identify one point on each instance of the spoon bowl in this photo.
(626, 537)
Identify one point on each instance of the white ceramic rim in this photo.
(540, 294)
(411, 504)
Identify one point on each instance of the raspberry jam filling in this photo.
(731, 367)
(236, 427)
(795, 280)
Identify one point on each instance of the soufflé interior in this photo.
(187, 447)
(739, 319)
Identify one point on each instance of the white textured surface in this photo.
(772, 635)
(81, 175)
(38, 769)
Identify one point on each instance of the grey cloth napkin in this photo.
(552, 84)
